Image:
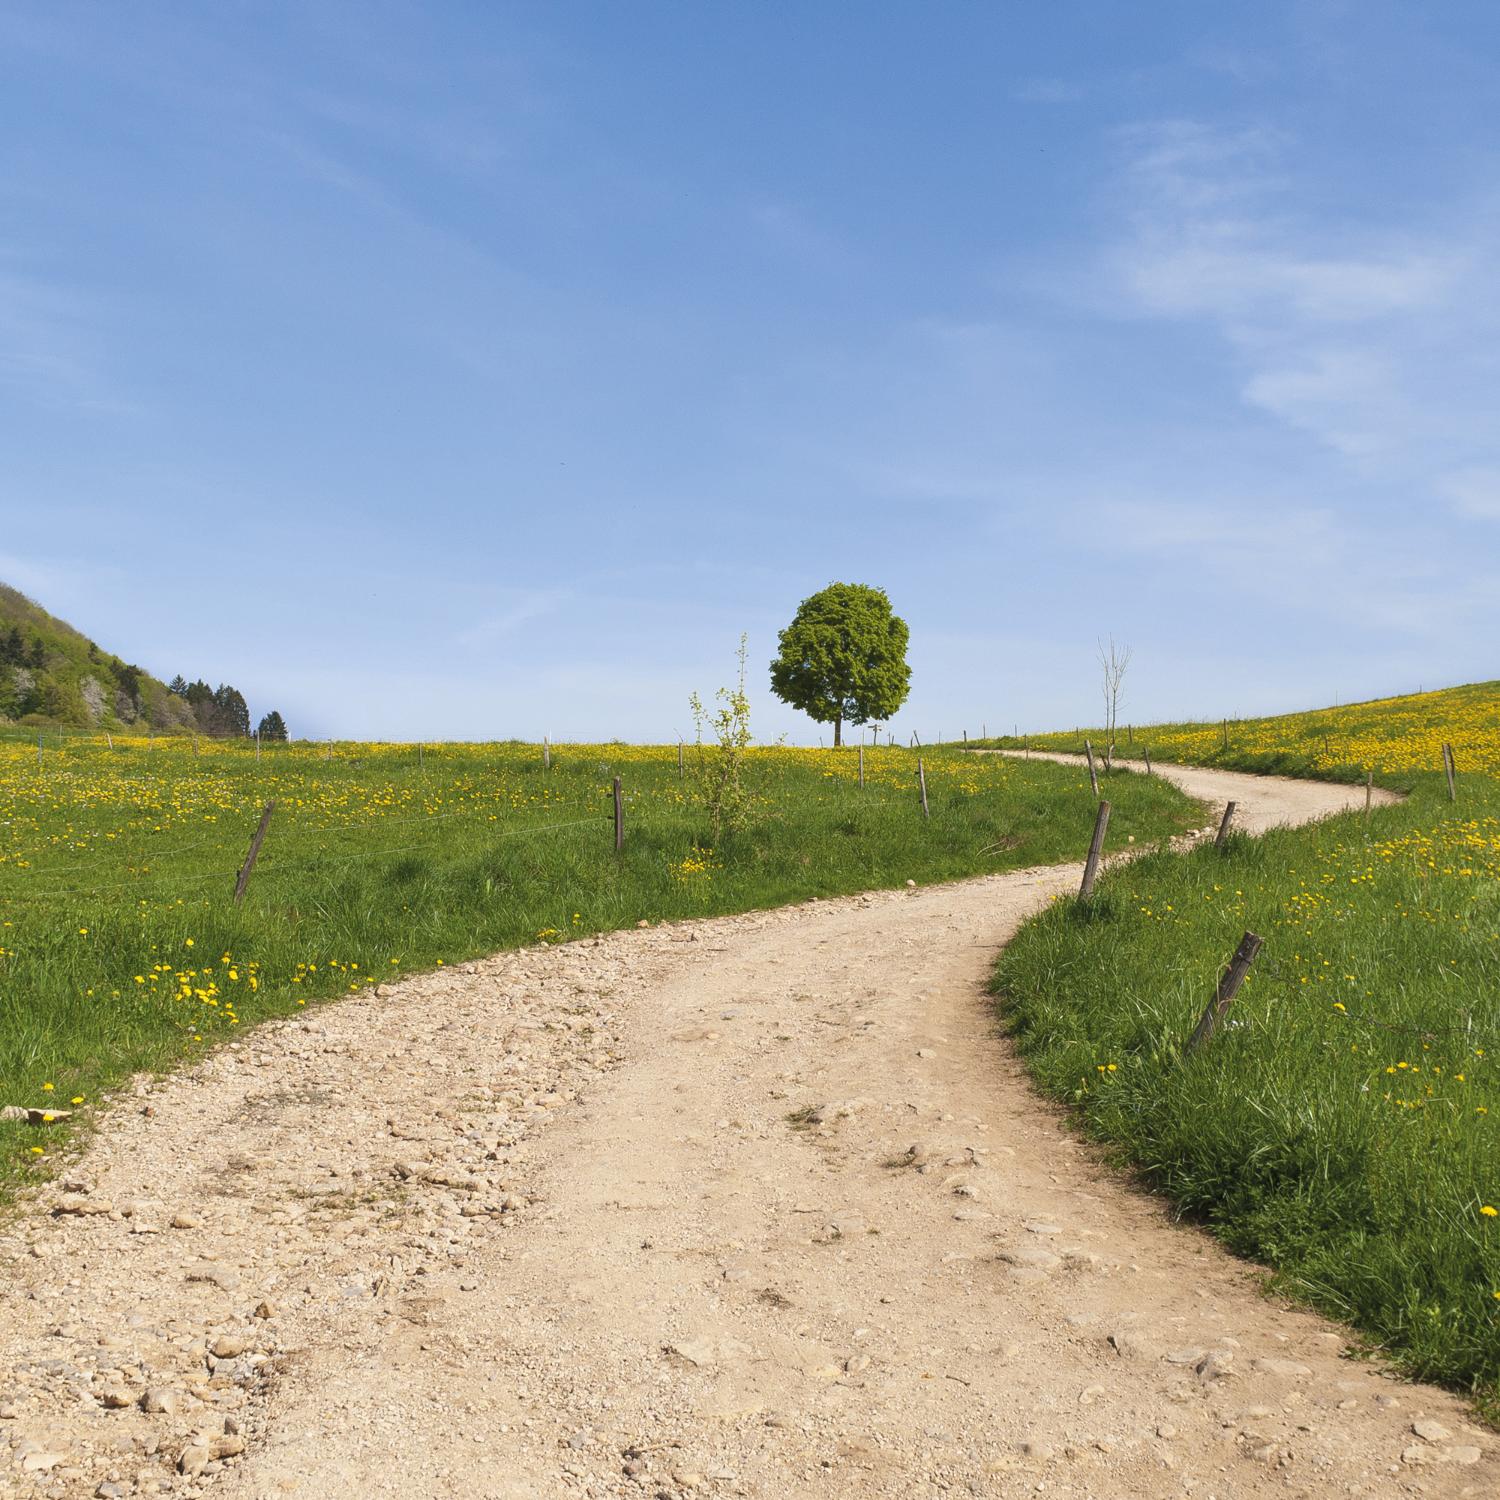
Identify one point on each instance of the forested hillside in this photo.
(53, 675)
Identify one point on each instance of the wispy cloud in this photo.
(522, 606)
(1047, 91)
(1473, 492)
(1361, 335)
(51, 349)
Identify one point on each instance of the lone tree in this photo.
(843, 657)
(272, 727)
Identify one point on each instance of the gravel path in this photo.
(751, 1206)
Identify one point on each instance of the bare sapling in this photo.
(1114, 660)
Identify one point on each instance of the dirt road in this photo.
(755, 1206)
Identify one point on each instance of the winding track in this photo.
(752, 1206)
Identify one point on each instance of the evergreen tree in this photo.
(234, 713)
(38, 658)
(128, 678)
(272, 728)
(13, 647)
(178, 685)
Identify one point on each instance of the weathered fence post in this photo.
(922, 784)
(546, 753)
(39, 747)
(1147, 754)
(1226, 734)
(861, 765)
(1088, 750)
(257, 747)
(1369, 791)
(1448, 767)
(1130, 734)
(420, 762)
(1224, 823)
(254, 854)
(681, 772)
(1229, 987)
(109, 739)
(619, 818)
(1096, 848)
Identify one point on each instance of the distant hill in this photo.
(52, 674)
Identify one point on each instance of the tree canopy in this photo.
(843, 657)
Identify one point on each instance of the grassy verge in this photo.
(121, 950)
(1393, 737)
(1345, 1128)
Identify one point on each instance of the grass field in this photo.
(1393, 737)
(1346, 1127)
(121, 948)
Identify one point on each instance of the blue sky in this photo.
(484, 370)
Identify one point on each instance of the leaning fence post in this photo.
(1147, 754)
(619, 818)
(1088, 750)
(1224, 823)
(250, 858)
(922, 783)
(1369, 791)
(1448, 768)
(1229, 987)
(861, 765)
(1096, 848)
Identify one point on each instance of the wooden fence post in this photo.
(1147, 754)
(1224, 823)
(1229, 987)
(420, 762)
(1130, 734)
(681, 772)
(250, 858)
(1448, 767)
(1226, 734)
(546, 753)
(1369, 791)
(619, 818)
(1088, 750)
(1096, 848)
(861, 765)
(922, 783)
(39, 747)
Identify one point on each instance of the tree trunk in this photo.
(838, 733)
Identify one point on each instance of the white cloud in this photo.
(1368, 337)
(523, 607)
(1473, 492)
(1047, 91)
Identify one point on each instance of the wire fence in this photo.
(274, 865)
